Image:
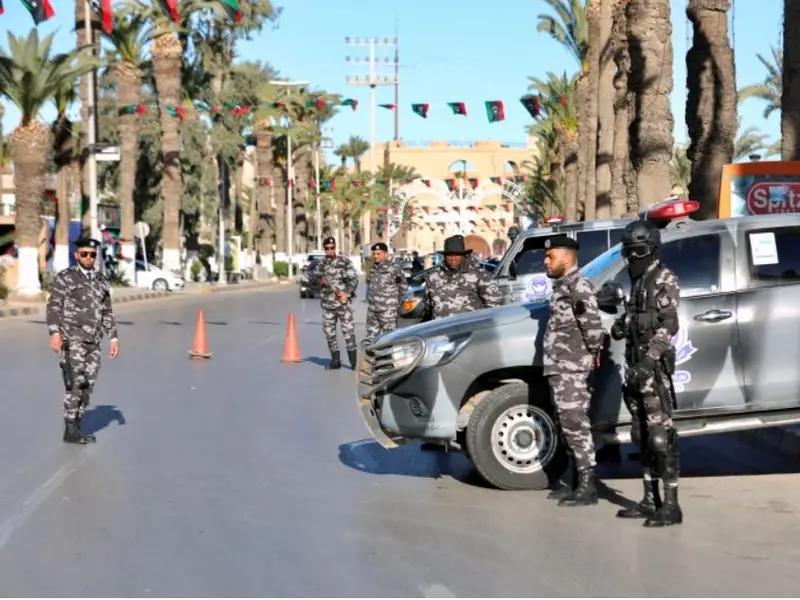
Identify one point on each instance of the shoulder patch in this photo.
(580, 307)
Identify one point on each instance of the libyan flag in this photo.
(232, 9)
(421, 110)
(458, 108)
(494, 111)
(532, 105)
(40, 10)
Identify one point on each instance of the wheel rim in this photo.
(160, 286)
(524, 439)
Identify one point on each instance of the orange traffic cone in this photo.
(200, 346)
(291, 349)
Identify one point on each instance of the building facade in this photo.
(471, 188)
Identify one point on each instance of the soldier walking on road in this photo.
(572, 344)
(78, 314)
(648, 325)
(339, 281)
(387, 286)
(459, 284)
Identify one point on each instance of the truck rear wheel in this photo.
(513, 441)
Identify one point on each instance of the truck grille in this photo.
(378, 367)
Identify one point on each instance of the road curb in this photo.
(783, 440)
(20, 311)
(138, 297)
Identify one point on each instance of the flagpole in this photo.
(91, 130)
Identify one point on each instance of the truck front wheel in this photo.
(513, 441)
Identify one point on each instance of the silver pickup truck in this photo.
(476, 380)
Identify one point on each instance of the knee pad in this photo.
(657, 439)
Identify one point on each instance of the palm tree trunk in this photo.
(29, 149)
(711, 101)
(594, 51)
(280, 196)
(571, 153)
(129, 82)
(790, 96)
(650, 48)
(261, 194)
(167, 69)
(63, 137)
(621, 171)
(581, 102)
(605, 108)
(302, 173)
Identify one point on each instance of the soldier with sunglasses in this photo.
(339, 281)
(648, 325)
(78, 315)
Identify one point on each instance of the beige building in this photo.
(470, 188)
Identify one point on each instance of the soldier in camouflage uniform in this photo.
(572, 344)
(648, 325)
(339, 281)
(459, 284)
(387, 286)
(78, 315)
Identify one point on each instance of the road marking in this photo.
(435, 590)
(19, 517)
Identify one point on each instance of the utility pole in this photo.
(396, 82)
(320, 144)
(373, 80)
(91, 130)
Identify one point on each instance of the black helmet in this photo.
(640, 239)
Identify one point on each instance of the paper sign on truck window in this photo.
(763, 248)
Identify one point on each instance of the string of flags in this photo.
(495, 109)
(329, 185)
(233, 108)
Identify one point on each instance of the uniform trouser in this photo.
(342, 314)
(571, 397)
(84, 365)
(653, 431)
(380, 322)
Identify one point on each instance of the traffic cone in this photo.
(200, 346)
(291, 349)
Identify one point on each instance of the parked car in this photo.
(309, 279)
(151, 277)
(476, 379)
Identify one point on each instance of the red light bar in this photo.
(671, 209)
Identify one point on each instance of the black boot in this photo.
(565, 490)
(336, 362)
(72, 433)
(586, 492)
(88, 436)
(352, 355)
(647, 506)
(670, 512)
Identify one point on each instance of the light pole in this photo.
(91, 131)
(320, 144)
(289, 184)
(372, 80)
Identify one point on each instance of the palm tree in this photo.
(387, 180)
(30, 76)
(64, 143)
(680, 169)
(750, 141)
(771, 88)
(623, 189)
(710, 101)
(343, 152)
(790, 83)
(130, 36)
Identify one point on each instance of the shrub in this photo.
(4, 291)
(195, 270)
(280, 268)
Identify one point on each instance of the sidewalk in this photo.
(124, 295)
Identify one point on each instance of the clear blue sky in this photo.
(468, 51)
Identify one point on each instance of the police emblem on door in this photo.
(683, 354)
(539, 288)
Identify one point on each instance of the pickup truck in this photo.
(475, 380)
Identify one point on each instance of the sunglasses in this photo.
(636, 251)
(87, 254)
(330, 247)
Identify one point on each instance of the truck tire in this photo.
(513, 441)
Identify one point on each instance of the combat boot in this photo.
(352, 355)
(88, 436)
(670, 512)
(565, 490)
(336, 362)
(72, 433)
(586, 492)
(647, 506)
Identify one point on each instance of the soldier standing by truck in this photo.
(572, 344)
(387, 286)
(78, 315)
(648, 325)
(338, 283)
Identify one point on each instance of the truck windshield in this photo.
(596, 268)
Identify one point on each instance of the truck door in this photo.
(769, 314)
(522, 278)
(708, 362)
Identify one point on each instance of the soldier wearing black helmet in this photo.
(648, 325)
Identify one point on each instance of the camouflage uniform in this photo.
(79, 309)
(338, 274)
(469, 289)
(387, 286)
(573, 339)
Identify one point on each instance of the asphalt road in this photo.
(243, 476)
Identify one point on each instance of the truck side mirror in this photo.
(610, 296)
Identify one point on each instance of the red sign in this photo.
(773, 197)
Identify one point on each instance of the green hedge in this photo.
(3, 287)
(280, 268)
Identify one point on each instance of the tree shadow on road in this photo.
(100, 416)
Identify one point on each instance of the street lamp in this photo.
(327, 144)
(289, 186)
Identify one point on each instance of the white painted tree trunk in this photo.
(28, 272)
(129, 262)
(61, 258)
(172, 259)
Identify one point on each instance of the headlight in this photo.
(410, 304)
(441, 350)
(405, 354)
(304, 279)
